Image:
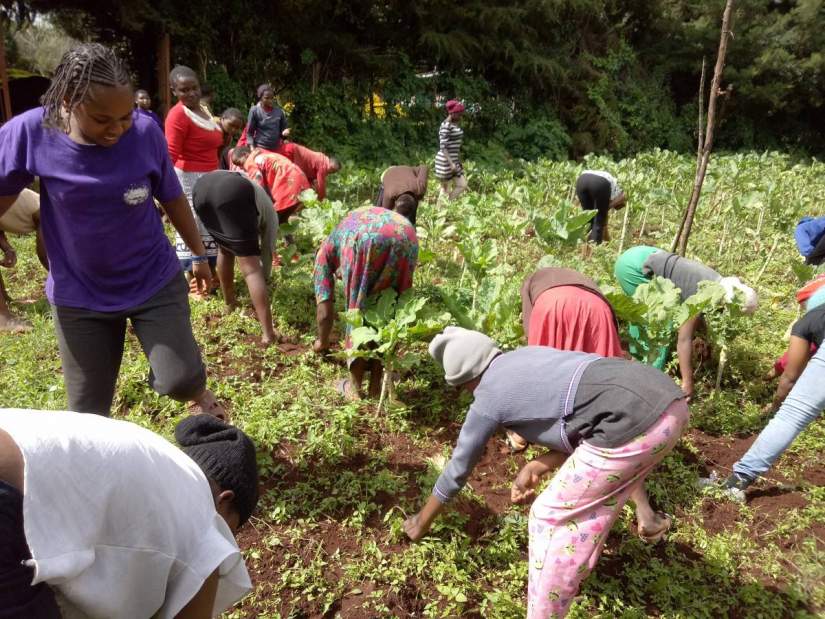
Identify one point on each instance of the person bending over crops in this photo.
(239, 216)
(374, 249)
(800, 401)
(266, 125)
(231, 123)
(607, 423)
(639, 264)
(109, 258)
(563, 309)
(599, 191)
(315, 165)
(282, 180)
(114, 521)
(400, 179)
(22, 218)
(143, 107)
(448, 168)
(794, 356)
(195, 140)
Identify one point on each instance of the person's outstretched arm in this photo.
(528, 478)
(684, 351)
(253, 273)
(799, 353)
(226, 276)
(180, 215)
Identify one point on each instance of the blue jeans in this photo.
(803, 405)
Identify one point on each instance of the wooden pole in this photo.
(4, 74)
(702, 164)
(164, 62)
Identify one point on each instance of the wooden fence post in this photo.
(4, 74)
(702, 164)
(164, 68)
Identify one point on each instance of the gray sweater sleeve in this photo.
(476, 431)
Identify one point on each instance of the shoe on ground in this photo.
(732, 487)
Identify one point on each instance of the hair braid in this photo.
(80, 67)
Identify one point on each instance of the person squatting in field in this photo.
(607, 422)
(563, 309)
(448, 168)
(638, 265)
(400, 179)
(238, 214)
(110, 261)
(374, 249)
(194, 140)
(23, 217)
(599, 191)
(114, 521)
(282, 180)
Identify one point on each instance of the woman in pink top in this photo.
(194, 142)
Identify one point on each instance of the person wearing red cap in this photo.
(448, 168)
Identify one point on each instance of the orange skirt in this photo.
(571, 318)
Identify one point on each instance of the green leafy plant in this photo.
(566, 225)
(385, 330)
(495, 309)
(318, 218)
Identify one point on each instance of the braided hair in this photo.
(80, 67)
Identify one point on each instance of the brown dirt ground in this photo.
(491, 480)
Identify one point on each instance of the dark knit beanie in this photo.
(225, 454)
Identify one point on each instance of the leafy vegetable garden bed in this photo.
(339, 477)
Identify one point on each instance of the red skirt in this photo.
(571, 318)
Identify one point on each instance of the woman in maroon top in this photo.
(194, 140)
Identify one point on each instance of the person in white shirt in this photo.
(102, 518)
(599, 191)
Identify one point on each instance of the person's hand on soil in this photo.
(414, 529)
(203, 276)
(9, 258)
(524, 486)
(207, 403)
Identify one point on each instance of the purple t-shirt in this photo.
(105, 239)
(139, 111)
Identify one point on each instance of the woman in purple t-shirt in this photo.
(100, 167)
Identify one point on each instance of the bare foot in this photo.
(653, 531)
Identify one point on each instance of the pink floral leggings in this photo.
(570, 520)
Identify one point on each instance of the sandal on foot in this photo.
(653, 538)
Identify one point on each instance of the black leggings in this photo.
(593, 193)
(18, 598)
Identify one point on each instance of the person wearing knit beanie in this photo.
(227, 458)
(464, 354)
